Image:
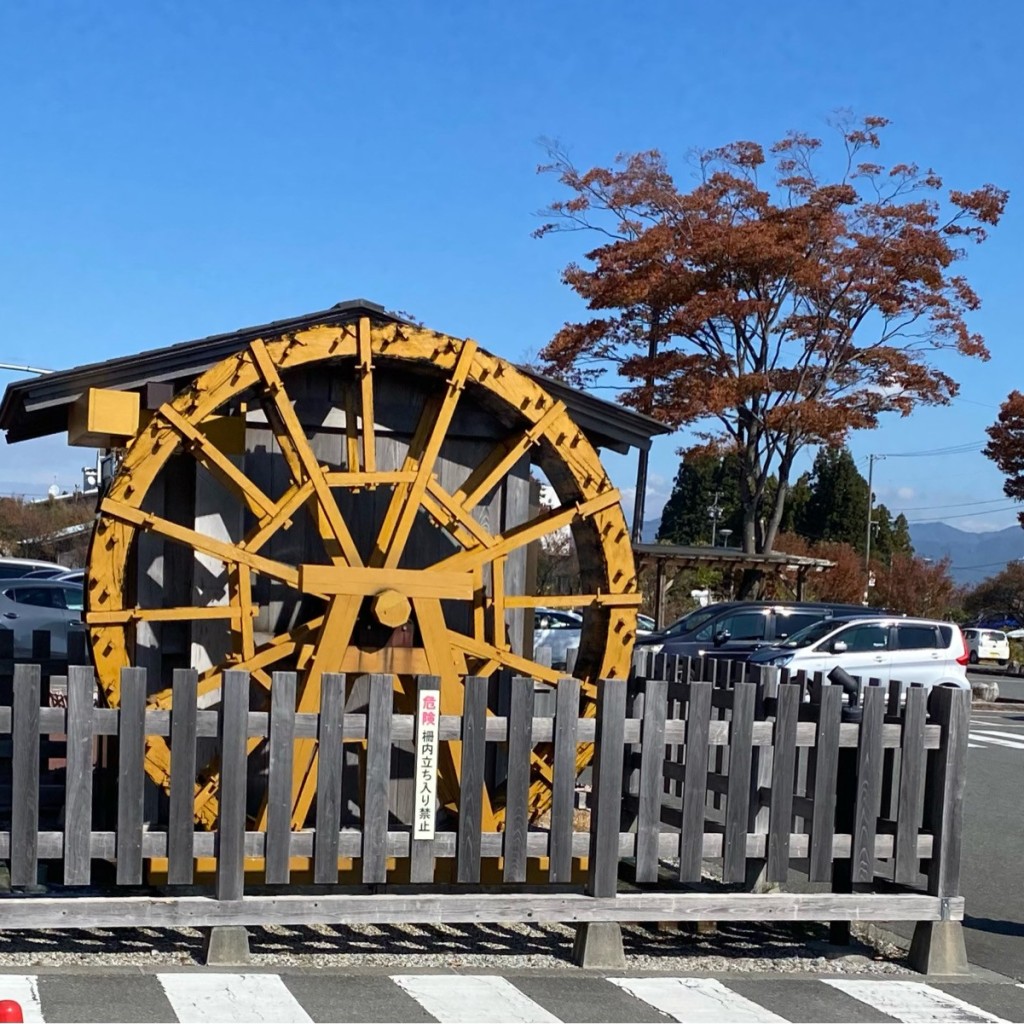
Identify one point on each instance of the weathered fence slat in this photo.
(607, 799)
(652, 758)
(232, 727)
(474, 749)
(869, 784)
(517, 786)
(913, 762)
(826, 774)
(378, 775)
(131, 743)
(279, 778)
(421, 854)
(25, 775)
(952, 710)
(783, 780)
(330, 765)
(180, 832)
(695, 781)
(78, 798)
(681, 670)
(741, 738)
(563, 793)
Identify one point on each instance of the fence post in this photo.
(25, 776)
(228, 945)
(938, 946)
(599, 943)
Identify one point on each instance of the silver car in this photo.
(28, 605)
(557, 631)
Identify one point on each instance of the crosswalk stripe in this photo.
(472, 999)
(696, 1000)
(23, 989)
(198, 998)
(911, 1001)
(976, 745)
(1018, 736)
(997, 742)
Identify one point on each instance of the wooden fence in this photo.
(696, 784)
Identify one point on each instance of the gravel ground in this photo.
(506, 948)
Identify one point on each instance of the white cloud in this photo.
(905, 493)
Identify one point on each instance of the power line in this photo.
(959, 449)
(966, 515)
(959, 504)
(985, 565)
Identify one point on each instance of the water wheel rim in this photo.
(590, 504)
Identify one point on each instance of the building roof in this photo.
(685, 556)
(39, 406)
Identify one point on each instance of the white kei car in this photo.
(987, 645)
(923, 651)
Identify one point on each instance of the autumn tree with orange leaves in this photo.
(1006, 446)
(773, 305)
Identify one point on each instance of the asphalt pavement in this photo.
(993, 849)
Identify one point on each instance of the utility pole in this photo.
(871, 510)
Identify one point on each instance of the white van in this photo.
(923, 651)
(15, 568)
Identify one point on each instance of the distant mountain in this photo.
(974, 556)
(649, 534)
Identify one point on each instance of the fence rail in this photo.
(693, 779)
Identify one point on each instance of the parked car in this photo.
(16, 568)
(987, 645)
(558, 631)
(924, 651)
(734, 628)
(645, 624)
(45, 574)
(28, 605)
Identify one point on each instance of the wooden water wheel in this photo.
(349, 549)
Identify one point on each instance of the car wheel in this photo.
(1001, 662)
(973, 657)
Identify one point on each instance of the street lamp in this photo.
(714, 514)
(726, 534)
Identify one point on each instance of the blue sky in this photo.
(172, 170)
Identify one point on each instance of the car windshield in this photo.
(811, 634)
(690, 622)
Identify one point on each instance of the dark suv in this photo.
(737, 627)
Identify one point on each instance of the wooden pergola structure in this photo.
(663, 557)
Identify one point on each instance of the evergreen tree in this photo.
(796, 504)
(882, 539)
(837, 508)
(686, 518)
(901, 536)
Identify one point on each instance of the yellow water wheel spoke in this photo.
(214, 461)
(364, 369)
(291, 501)
(540, 526)
(421, 458)
(298, 443)
(333, 637)
(502, 459)
(270, 653)
(224, 551)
